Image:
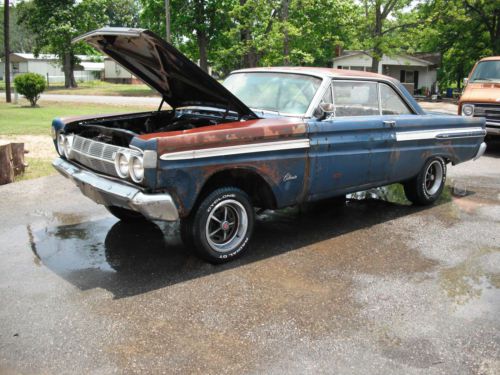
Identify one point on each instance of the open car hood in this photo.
(180, 82)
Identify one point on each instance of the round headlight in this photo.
(60, 144)
(136, 167)
(68, 143)
(468, 109)
(121, 164)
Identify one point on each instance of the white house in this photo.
(50, 68)
(114, 72)
(418, 73)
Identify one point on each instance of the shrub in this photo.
(30, 85)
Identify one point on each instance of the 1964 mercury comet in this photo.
(266, 138)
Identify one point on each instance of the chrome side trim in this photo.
(112, 193)
(440, 134)
(237, 150)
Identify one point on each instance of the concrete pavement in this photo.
(375, 287)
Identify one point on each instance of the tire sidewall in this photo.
(421, 190)
(199, 236)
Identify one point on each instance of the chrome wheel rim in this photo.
(226, 226)
(433, 177)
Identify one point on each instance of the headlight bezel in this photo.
(468, 110)
(68, 145)
(60, 139)
(136, 177)
(126, 172)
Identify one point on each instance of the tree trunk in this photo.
(6, 40)
(377, 34)
(68, 68)
(286, 39)
(250, 58)
(6, 167)
(18, 158)
(201, 37)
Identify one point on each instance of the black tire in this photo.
(222, 207)
(425, 188)
(125, 214)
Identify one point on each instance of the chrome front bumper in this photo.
(492, 128)
(480, 151)
(111, 193)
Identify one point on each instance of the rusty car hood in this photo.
(180, 82)
(484, 92)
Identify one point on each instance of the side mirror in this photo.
(466, 80)
(324, 110)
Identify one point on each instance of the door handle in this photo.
(392, 124)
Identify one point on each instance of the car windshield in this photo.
(487, 71)
(284, 93)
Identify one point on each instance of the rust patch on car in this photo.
(233, 134)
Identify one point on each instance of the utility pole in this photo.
(6, 49)
(167, 20)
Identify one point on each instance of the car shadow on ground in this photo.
(133, 258)
(493, 146)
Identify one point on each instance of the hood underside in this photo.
(180, 82)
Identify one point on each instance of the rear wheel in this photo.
(125, 214)
(427, 186)
(221, 227)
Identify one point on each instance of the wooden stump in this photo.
(11, 162)
(18, 158)
(6, 166)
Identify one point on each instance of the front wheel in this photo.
(221, 227)
(427, 186)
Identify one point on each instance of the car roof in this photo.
(490, 58)
(317, 71)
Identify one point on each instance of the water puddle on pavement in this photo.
(474, 285)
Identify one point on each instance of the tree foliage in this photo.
(55, 22)
(231, 34)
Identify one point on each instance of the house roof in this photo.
(349, 54)
(92, 66)
(21, 56)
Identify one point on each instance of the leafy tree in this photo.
(123, 13)
(55, 22)
(30, 85)
(462, 31)
(196, 24)
(21, 40)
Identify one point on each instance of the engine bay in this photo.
(119, 130)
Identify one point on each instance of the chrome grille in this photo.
(490, 111)
(96, 155)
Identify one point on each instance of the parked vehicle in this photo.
(268, 138)
(481, 97)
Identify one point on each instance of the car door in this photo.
(350, 150)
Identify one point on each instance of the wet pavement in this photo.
(373, 287)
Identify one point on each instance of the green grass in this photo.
(97, 88)
(103, 88)
(37, 167)
(16, 119)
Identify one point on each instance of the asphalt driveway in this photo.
(374, 287)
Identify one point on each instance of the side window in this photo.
(391, 102)
(355, 98)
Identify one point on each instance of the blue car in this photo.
(265, 138)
